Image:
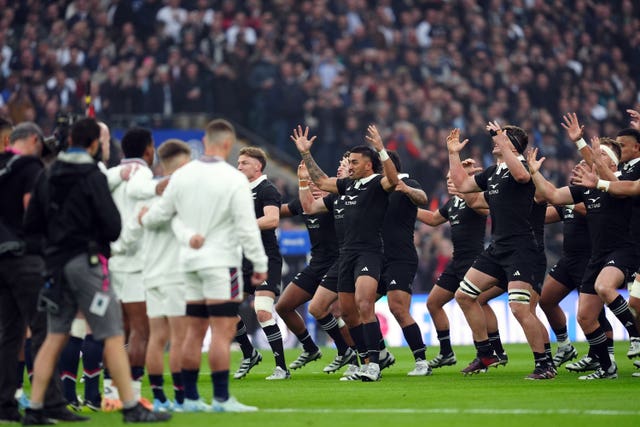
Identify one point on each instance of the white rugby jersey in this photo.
(140, 186)
(213, 199)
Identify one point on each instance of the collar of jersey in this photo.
(403, 175)
(503, 165)
(630, 163)
(257, 182)
(362, 181)
(134, 160)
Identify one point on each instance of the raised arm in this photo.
(303, 144)
(574, 130)
(310, 205)
(430, 217)
(390, 179)
(587, 177)
(417, 196)
(462, 181)
(544, 189)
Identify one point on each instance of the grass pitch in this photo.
(500, 397)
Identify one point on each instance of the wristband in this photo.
(571, 207)
(384, 156)
(306, 187)
(603, 185)
(303, 182)
(581, 143)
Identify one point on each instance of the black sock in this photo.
(190, 378)
(413, 336)
(496, 342)
(92, 365)
(484, 348)
(540, 359)
(620, 308)
(561, 334)
(372, 336)
(137, 372)
(20, 373)
(610, 346)
(69, 360)
(274, 336)
(28, 358)
(329, 324)
(598, 342)
(242, 338)
(307, 342)
(358, 337)
(220, 380)
(381, 344)
(547, 351)
(157, 381)
(445, 342)
(604, 322)
(178, 387)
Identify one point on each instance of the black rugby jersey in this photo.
(608, 218)
(266, 194)
(538, 214)
(365, 205)
(630, 171)
(575, 234)
(322, 233)
(335, 204)
(509, 204)
(399, 224)
(467, 228)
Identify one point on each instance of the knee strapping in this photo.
(519, 296)
(469, 288)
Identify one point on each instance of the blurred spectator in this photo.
(416, 69)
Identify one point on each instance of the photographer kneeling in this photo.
(72, 208)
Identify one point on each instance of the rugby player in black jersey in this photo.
(401, 261)
(327, 293)
(324, 252)
(512, 252)
(612, 255)
(467, 235)
(366, 198)
(267, 201)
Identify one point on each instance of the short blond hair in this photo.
(172, 148)
(255, 153)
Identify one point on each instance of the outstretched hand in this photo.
(572, 126)
(585, 176)
(534, 164)
(635, 119)
(303, 143)
(374, 138)
(453, 141)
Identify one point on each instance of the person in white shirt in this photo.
(214, 200)
(126, 261)
(163, 284)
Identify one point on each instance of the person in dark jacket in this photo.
(21, 269)
(71, 206)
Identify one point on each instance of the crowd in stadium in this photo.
(415, 68)
(317, 80)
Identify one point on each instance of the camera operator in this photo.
(73, 209)
(21, 269)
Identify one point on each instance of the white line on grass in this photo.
(476, 411)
